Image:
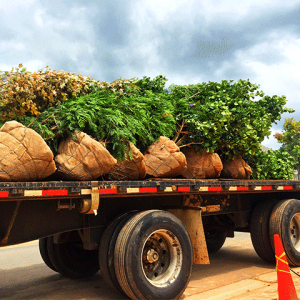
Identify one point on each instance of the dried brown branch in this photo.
(179, 132)
(53, 136)
(46, 120)
(192, 143)
(195, 95)
(181, 140)
(32, 122)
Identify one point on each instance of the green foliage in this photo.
(156, 85)
(290, 139)
(110, 118)
(271, 165)
(231, 118)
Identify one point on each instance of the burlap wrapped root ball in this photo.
(164, 159)
(24, 155)
(201, 164)
(132, 168)
(83, 158)
(236, 169)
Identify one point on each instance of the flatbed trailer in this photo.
(145, 235)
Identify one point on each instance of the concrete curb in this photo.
(262, 287)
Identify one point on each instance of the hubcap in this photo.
(162, 258)
(295, 231)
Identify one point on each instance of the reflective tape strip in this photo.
(142, 190)
(168, 189)
(148, 190)
(3, 193)
(108, 191)
(33, 193)
(55, 192)
(266, 188)
(28, 193)
(101, 191)
(184, 189)
(210, 189)
(243, 188)
(263, 188)
(133, 190)
(86, 191)
(238, 188)
(203, 189)
(284, 188)
(214, 188)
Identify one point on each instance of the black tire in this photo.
(70, 259)
(259, 231)
(44, 253)
(153, 256)
(107, 249)
(285, 221)
(215, 239)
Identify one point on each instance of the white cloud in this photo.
(274, 64)
(207, 11)
(7, 6)
(35, 65)
(12, 45)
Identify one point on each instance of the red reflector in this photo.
(148, 190)
(287, 187)
(242, 188)
(107, 191)
(266, 188)
(55, 192)
(4, 194)
(215, 188)
(184, 189)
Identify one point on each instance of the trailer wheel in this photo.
(285, 221)
(107, 248)
(153, 256)
(259, 231)
(215, 239)
(70, 259)
(44, 253)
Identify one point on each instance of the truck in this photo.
(145, 235)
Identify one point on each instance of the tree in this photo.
(290, 140)
(271, 165)
(231, 118)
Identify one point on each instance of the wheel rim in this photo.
(295, 231)
(161, 258)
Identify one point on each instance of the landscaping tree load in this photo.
(109, 117)
(290, 140)
(236, 169)
(228, 118)
(132, 168)
(24, 155)
(83, 158)
(201, 165)
(164, 159)
(24, 93)
(273, 164)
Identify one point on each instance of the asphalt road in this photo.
(23, 275)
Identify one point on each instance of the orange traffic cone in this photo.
(286, 288)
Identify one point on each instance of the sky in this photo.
(187, 41)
